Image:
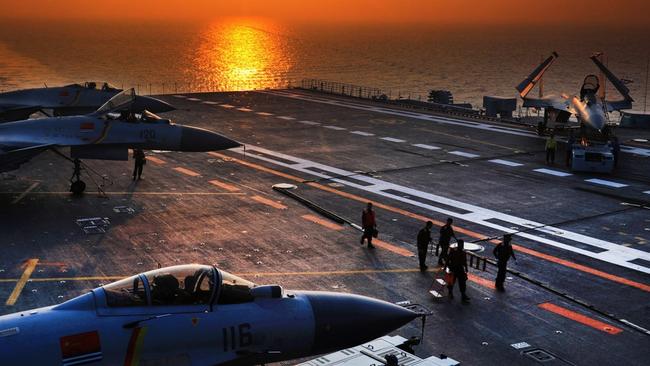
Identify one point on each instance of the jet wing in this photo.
(529, 82)
(375, 352)
(562, 104)
(17, 112)
(626, 102)
(13, 159)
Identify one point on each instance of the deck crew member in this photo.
(551, 145)
(457, 264)
(368, 224)
(424, 238)
(446, 233)
(502, 252)
(139, 161)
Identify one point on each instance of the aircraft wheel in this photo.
(78, 187)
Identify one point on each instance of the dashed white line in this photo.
(611, 252)
(464, 154)
(209, 102)
(226, 106)
(361, 133)
(647, 192)
(194, 99)
(556, 173)
(311, 123)
(425, 146)
(391, 139)
(265, 113)
(244, 109)
(179, 96)
(286, 118)
(606, 183)
(505, 162)
(336, 128)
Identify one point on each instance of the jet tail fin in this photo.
(618, 84)
(529, 83)
(118, 102)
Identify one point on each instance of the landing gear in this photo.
(77, 186)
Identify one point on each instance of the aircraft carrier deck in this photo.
(220, 208)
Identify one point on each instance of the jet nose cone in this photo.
(344, 320)
(194, 139)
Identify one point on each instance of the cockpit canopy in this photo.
(144, 117)
(183, 285)
(96, 85)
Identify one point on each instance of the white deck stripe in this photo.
(437, 119)
(425, 146)
(179, 96)
(606, 183)
(311, 123)
(556, 173)
(391, 139)
(265, 113)
(647, 192)
(194, 99)
(286, 118)
(361, 133)
(244, 109)
(209, 102)
(226, 105)
(464, 154)
(505, 162)
(613, 253)
(336, 128)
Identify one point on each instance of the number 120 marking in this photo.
(237, 337)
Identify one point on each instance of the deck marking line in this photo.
(310, 123)
(361, 133)
(264, 113)
(209, 102)
(425, 146)
(391, 139)
(607, 183)
(458, 229)
(244, 109)
(481, 281)
(269, 202)
(286, 118)
(155, 160)
(556, 173)
(505, 162)
(179, 96)
(393, 248)
(226, 106)
(335, 128)
(226, 186)
(322, 222)
(30, 265)
(433, 118)
(646, 192)
(612, 253)
(186, 171)
(194, 99)
(464, 154)
(22, 195)
(583, 319)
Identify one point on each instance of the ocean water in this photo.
(245, 54)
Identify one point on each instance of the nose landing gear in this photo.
(77, 186)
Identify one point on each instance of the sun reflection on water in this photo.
(241, 54)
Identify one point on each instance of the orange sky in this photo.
(573, 12)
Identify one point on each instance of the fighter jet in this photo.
(590, 107)
(193, 315)
(73, 99)
(105, 134)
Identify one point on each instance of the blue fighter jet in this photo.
(193, 315)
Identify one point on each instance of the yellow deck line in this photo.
(15, 294)
(186, 171)
(22, 195)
